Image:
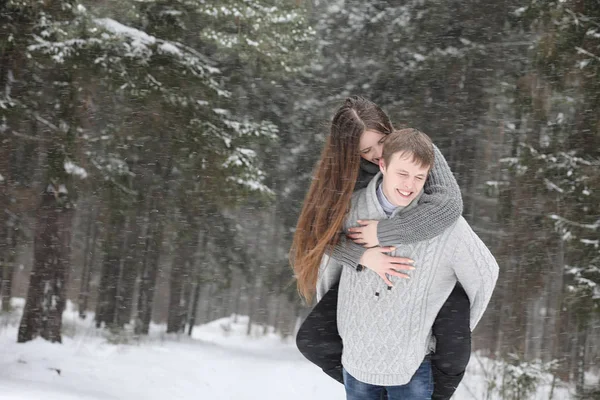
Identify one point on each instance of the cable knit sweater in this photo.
(439, 207)
(387, 333)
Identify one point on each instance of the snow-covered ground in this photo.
(220, 362)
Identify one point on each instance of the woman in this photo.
(348, 162)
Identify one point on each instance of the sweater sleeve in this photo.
(330, 272)
(439, 207)
(476, 269)
(347, 252)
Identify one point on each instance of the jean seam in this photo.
(429, 376)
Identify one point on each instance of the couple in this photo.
(402, 335)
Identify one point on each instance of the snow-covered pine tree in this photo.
(564, 156)
(170, 113)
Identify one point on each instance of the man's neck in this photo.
(388, 206)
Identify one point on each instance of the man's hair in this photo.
(409, 141)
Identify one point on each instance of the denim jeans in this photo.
(420, 387)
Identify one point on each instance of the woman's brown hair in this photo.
(328, 198)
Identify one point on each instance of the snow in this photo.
(169, 48)
(73, 169)
(551, 186)
(123, 30)
(220, 362)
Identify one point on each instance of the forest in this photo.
(155, 154)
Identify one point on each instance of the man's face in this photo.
(403, 179)
(371, 145)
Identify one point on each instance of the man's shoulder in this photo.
(359, 208)
(459, 227)
(358, 197)
(463, 234)
(360, 193)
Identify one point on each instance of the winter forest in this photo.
(154, 156)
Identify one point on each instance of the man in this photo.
(387, 330)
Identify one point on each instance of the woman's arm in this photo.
(439, 207)
(347, 252)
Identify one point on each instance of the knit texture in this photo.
(386, 336)
(439, 207)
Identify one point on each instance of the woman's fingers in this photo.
(401, 267)
(387, 249)
(400, 260)
(385, 279)
(398, 274)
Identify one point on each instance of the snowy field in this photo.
(218, 363)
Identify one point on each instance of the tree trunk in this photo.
(113, 253)
(88, 262)
(130, 271)
(194, 310)
(580, 358)
(42, 315)
(180, 276)
(150, 268)
(176, 294)
(238, 300)
(7, 261)
(253, 299)
(187, 295)
(208, 310)
(195, 298)
(7, 279)
(277, 319)
(84, 292)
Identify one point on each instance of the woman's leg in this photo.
(420, 386)
(318, 338)
(356, 390)
(453, 349)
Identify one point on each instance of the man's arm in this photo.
(476, 269)
(439, 207)
(330, 272)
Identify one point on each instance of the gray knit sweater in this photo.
(386, 336)
(439, 207)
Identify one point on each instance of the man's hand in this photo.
(365, 234)
(376, 260)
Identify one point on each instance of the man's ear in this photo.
(382, 165)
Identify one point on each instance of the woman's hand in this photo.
(382, 264)
(365, 234)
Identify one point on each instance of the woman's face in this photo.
(371, 145)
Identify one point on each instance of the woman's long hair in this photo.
(328, 198)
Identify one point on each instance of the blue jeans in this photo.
(420, 387)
